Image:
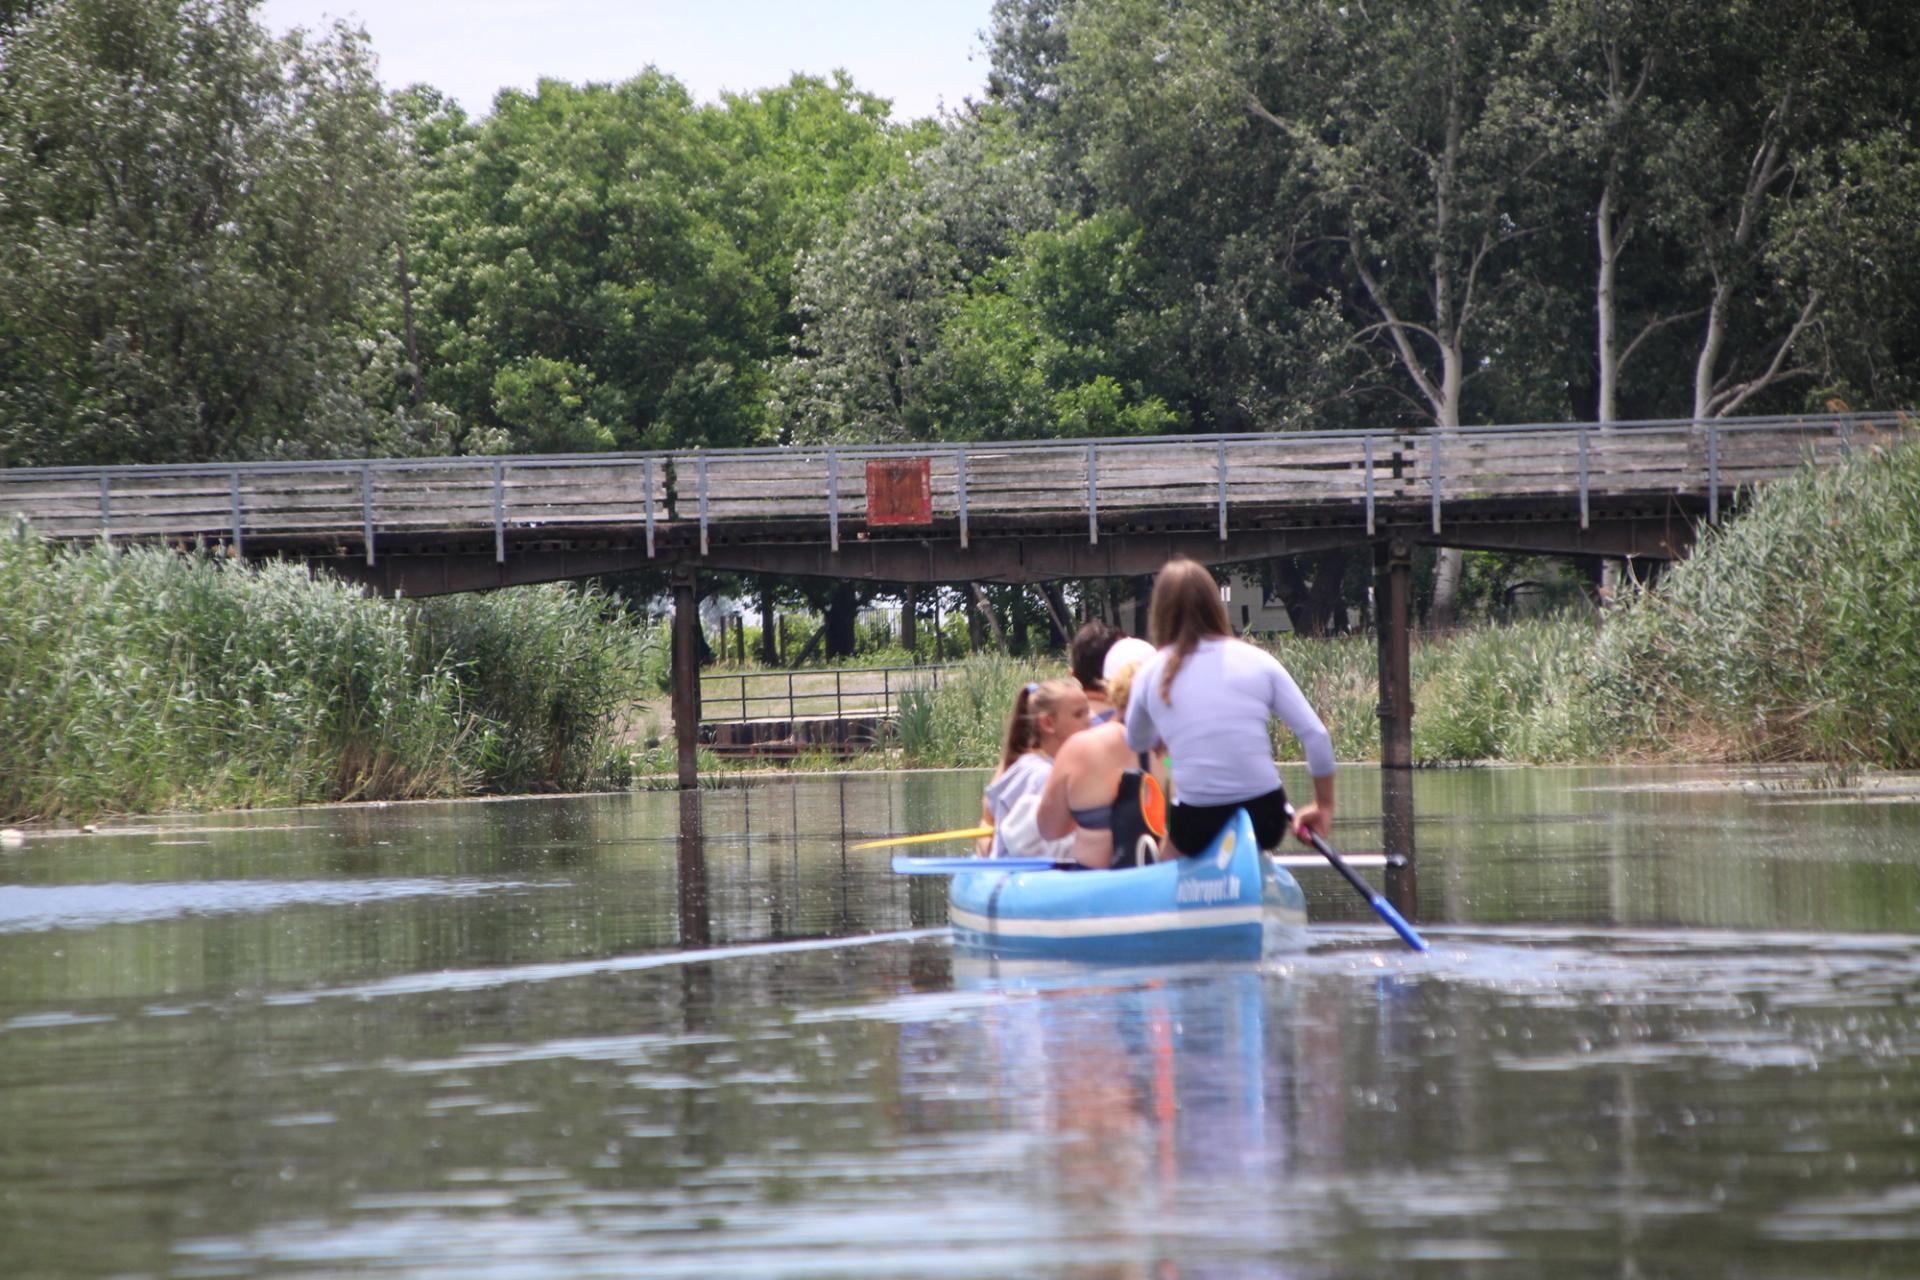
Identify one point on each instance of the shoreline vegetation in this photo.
(138, 680)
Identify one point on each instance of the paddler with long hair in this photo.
(1207, 696)
(1045, 714)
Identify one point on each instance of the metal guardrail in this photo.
(813, 704)
(369, 502)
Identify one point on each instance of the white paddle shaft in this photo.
(1308, 861)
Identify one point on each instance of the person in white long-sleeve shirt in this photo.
(1207, 697)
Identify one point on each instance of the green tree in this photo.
(191, 213)
(611, 266)
(1057, 339)
(873, 298)
(571, 267)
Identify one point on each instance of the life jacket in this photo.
(1134, 844)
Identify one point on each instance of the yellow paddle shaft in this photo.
(965, 833)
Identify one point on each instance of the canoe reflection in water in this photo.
(1152, 1108)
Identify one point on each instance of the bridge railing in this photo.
(363, 503)
(816, 693)
(353, 501)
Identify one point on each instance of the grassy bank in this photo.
(140, 680)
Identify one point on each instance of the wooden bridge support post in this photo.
(686, 676)
(1393, 629)
(690, 882)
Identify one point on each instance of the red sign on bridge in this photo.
(899, 491)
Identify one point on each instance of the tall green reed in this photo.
(1792, 632)
(137, 679)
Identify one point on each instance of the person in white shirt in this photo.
(1207, 697)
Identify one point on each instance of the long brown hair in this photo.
(1032, 702)
(1186, 610)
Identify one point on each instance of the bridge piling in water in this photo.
(686, 676)
(1393, 633)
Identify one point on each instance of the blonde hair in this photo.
(1032, 702)
(1120, 688)
(1186, 609)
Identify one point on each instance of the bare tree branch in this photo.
(1652, 327)
(1734, 397)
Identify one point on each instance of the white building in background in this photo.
(1251, 609)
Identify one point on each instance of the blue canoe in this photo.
(1229, 903)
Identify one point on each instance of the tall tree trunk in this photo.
(1329, 578)
(1142, 604)
(984, 608)
(769, 628)
(1606, 409)
(843, 610)
(1710, 346)
(1310, 587)
(909, 619)
(1056, 604)
(1445, 609)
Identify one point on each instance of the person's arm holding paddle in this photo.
(1291, 707)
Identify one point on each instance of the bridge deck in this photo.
(678, 507)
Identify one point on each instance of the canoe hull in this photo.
(1228, 903)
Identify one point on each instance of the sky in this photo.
(921, 54)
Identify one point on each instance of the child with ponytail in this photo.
(1044, 716)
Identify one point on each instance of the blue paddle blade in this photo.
(905, 865)
(1399, 922)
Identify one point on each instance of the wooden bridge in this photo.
(1012, 512)
(949, 513)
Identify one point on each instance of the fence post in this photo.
(1713, 473)
(1367, 453)
(1583, 475)
(233, 494)
(647, 480)
(1093, 494)
(833, 501)
(366, 510)
(960, 479)
(1223, 490)
(703, 504)
(499, 513)
(1433, 461)
(106, 507)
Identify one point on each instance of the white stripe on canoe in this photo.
(1103, 926)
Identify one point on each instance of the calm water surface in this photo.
(1670, 1028)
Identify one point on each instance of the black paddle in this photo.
(1381, 907)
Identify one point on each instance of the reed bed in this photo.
(1505, 693)
(1792, 633)
(138, 679)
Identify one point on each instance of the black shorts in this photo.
(1192, 827)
